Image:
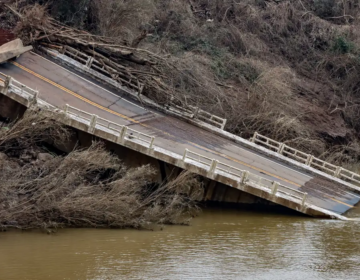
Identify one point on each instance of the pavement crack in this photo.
(114, 103)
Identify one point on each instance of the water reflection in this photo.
(218, 245)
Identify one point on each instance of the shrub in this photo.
(343, 46)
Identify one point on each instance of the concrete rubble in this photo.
(12, 49)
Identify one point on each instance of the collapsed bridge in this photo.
(237, 170)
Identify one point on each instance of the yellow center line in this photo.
(338, 201)
(144, 125)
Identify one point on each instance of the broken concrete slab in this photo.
(12, 49)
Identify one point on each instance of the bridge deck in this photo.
(59, 86)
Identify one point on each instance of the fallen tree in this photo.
(139, 69)
(85, 188)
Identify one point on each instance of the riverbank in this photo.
(89, 187)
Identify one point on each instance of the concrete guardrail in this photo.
(18, 87)
(307, 159)
(90, 66)
(245, 177)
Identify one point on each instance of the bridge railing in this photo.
(122, 132)
(75, 112)
(282, 189)
(24, 90)
(294, 154)
(324, 166)
(133, 83)
(245, 177)
(266, 141)
(261, 181)
(349, 175)
(307, 159)
(109, 125)
(209, 118)
(134, 135)
(231, 170)
(210, 165)
(93, 63)
(197, 158)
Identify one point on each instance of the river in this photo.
(219, 244)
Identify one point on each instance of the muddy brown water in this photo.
(220, 244)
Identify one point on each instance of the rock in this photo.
(44, 157)
(3, 157)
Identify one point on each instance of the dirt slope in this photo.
(287, 69)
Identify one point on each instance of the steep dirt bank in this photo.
(287, 69)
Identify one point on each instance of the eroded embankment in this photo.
(89, 187)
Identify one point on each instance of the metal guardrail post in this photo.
(275, 186)
(66, 109)
(185, 154)
(245, 177)
(152, 143)
(304, 199)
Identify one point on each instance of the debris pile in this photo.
(139, 69)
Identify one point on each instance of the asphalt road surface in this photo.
(59, 86)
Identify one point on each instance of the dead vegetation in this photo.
(85, 188)
(287, 69)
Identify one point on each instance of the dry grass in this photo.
(265, 66)
(122, 19)
(86, 188)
